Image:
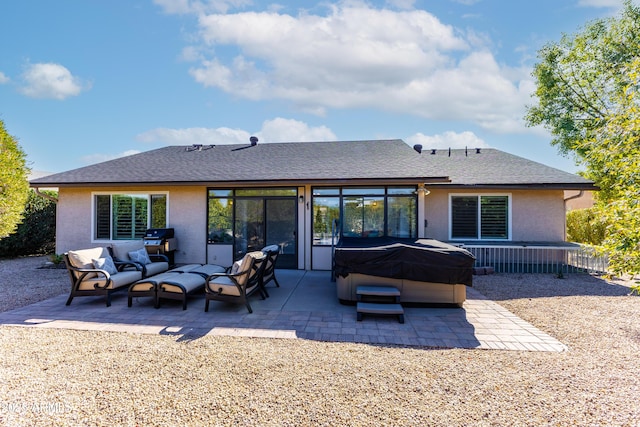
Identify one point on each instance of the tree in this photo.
(580, 78)
(14, 186)
(614, 159)
(587, 93)
(36, 234)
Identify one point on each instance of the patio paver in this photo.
(304, 307)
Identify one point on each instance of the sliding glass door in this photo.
(262, 221)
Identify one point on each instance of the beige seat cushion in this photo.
(123, 278)
(154, 280)
(189, 281)
(121, 249)
(225, 286)
(208, 269)
(244, 265)
(156, 268)
(83, 258)
(185, 268)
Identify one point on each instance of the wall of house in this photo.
(577, 200)
(73, 220)
(187, 215)
(537, 215)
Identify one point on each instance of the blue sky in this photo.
(87, 81)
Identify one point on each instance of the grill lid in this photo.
(159, 233)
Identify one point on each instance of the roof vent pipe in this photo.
(433, 151)
(418, 148)
(477, 151)
(253, 140)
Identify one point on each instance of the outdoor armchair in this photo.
(272, 252)
(243, 280)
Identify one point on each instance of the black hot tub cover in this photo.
(424, 260)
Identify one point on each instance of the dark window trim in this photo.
(509, 224)
(386, 193)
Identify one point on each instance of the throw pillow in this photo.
(105, 264)
(140, 256)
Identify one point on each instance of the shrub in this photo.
(36, 234)
(585, 226)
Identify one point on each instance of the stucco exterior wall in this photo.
(73, 220)
(539, 216)
(187, 215)
(536, 215)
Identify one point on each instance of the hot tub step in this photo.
(377, 308)
(385, 291)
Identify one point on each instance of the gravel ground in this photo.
(64, 377)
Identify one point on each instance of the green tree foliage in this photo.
(579, 79)
(587, 92)
(614, 160)
(14, 185)
(36, 234)
(585, 226)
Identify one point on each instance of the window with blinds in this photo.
(128, 216)
(480, 217)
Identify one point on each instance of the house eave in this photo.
(251, 183)
(533, 186)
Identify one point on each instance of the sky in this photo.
(85, 81)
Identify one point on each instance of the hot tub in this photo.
(424, 270)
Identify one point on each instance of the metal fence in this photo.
(539, 259)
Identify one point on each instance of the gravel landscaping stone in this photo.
(64, 377)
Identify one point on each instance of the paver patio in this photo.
(304, 307)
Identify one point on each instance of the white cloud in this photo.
(276, 130)
(3, 78)
(288, 130)
(49, 80)
(190, 136)
(91, 159)
(356, 56)
(446, 140)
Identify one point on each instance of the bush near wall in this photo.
(585, 226)
(36, 235)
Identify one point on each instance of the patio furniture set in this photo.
(101, 271)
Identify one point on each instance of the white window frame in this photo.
(479, 195)
(111, 193)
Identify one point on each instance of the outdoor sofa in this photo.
(93, 272)
(135, 252)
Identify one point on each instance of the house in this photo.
(225, 200)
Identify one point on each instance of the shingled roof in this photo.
(263, 162)
(488, 167)
(388, 161)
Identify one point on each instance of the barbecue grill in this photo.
(161, 241)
